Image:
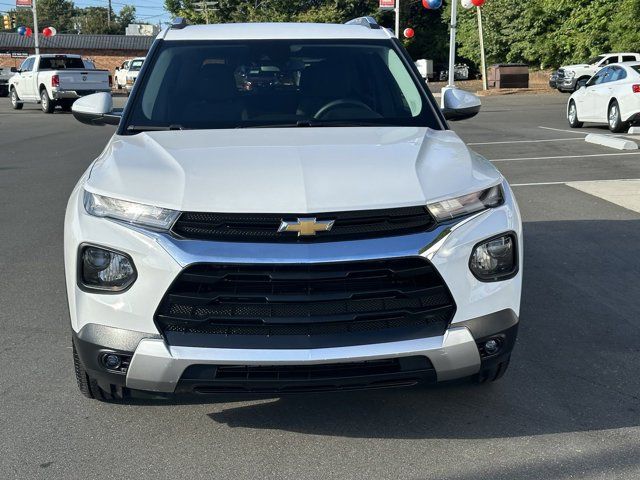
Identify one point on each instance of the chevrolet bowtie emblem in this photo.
(306, 226)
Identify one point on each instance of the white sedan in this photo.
(611, 96)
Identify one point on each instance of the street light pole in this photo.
(483, 63)
(452, 41)
(34, 10)
(397, 9)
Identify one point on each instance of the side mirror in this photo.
(458, 104)
(14, 70)
(96, 109)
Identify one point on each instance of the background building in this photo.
(107, 51)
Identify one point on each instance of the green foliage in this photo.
(66, 18)
(549, 33)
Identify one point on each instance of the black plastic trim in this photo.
(93, 341)
(489, 325)
(106, 290)
(501, 277)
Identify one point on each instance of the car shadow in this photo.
(574, 367)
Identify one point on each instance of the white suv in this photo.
(319, 229)
(570, 78)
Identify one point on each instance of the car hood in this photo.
(289, 170)
(578, 66)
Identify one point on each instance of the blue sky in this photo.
(148, 10)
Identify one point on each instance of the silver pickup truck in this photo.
(55, 79)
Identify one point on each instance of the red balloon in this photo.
(425, 4)
(409, 33)
(46, 32)
(28, 32)
(478, 3)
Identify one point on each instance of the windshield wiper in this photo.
(153, 128)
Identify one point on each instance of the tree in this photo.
(54, 13)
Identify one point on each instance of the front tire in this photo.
(572, 115)
(16, 104)
(46, 103)
(616, 125)
(89, 387)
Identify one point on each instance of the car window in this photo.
(629, 58)
(136, 65)
(636, 68)
(608, 60)
(60, 63)
(595, 60)
(27, 65)
(598, 78)
(258, 83)
(618, 73)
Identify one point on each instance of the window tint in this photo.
(27, 65)
(618, 73)
(60, 63)
(628, 58)
(599, 77)
(259, 83)
(636, 68)
(609, 60)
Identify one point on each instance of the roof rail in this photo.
(368, 22)
(178, 23)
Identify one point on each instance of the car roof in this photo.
(274, 31)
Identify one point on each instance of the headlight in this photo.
(466, 204)
(136, 213)
(495, 259)
(569, 74)
(104, 270)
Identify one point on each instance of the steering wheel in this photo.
(340, 103)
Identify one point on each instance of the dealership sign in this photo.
(384, 4)
(24, 3)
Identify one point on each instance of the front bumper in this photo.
(157, 367)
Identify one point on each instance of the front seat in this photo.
(323, 83)
(215, 96)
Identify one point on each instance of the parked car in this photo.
(5, 75)
(331, 233)
(55, 79)
(611, 96)
(132, 74)
(553, 79)
(572, 77)
(120, 75)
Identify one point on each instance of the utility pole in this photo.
(109, 14)
(483, 64)
(35, 27)
(397, 10)
(452, 41)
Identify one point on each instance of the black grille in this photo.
(301, 306)
(387, 372)
(235, 227)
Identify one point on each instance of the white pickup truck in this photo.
(570, 78)
(55, 79)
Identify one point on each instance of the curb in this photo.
(611, 142)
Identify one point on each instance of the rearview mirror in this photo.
(96, 109)
(458, 104)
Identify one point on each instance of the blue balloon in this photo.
(22, 30)
(434, 4)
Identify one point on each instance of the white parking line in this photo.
(563, 157)
(564, 130)
(537, 184)
(527, 141)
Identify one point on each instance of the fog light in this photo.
(495, 259)
(491, 346)
(105, 270)
(111, 361)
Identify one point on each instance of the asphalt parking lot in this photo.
(569, 407)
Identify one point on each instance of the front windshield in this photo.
(595, 60)
(136, 65)
(278, 83)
